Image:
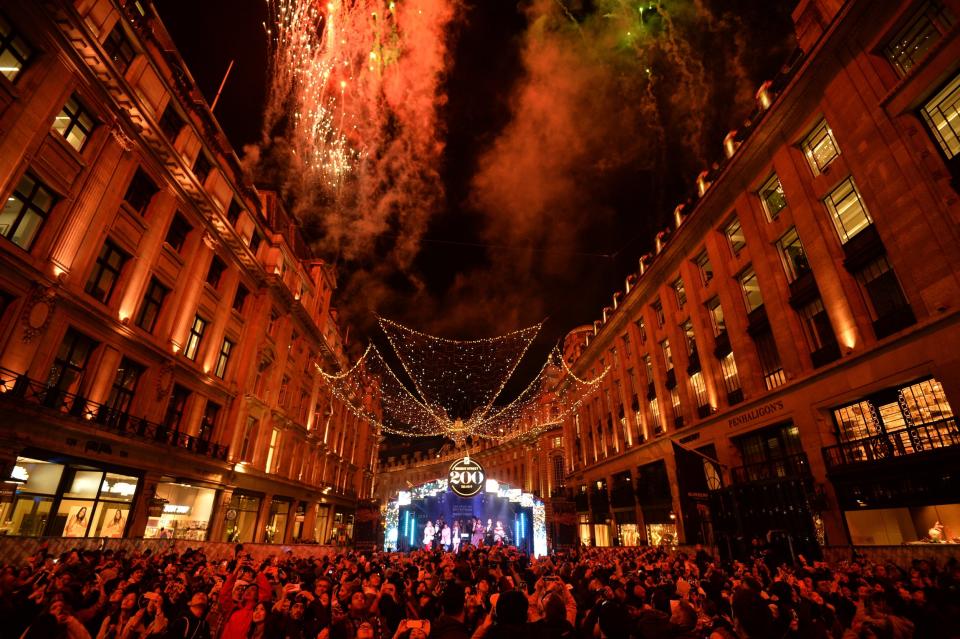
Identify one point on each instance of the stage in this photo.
(521, 516)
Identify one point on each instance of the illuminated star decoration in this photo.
(456, 385)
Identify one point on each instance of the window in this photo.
(558, 470)
(71, 361)
(731, 377)
(233, 212)
(772, 196)
(699, 388)
(223, 358)
(655, 414)
(791, 254)
(25, 210)
(273, 322)
(642, 330)
(667, 355)
(675, 405)
(215, 272)
(735, 237)
(178, 232)
(152, 303)
(816, 326)
(106, 271)
(74, 123)
(284, 386)
(680, 292)
(124, 386)
(170, 122)
(240, 298)
(885, 298)
(658, 312)
(919, 404)
(176, 407)
(689, 337)
(140, 191)
(942, 115)
(249, 436)
(705, 268)
(208, 423)
(255, 240)
(193, 339)
(648, 365)
(15, 53)
(272, 450)
(847, 211)
(202, 167)
(770, 365)
(820, 148)
(924, 28)
(751, 290)
(119, 49)
(716, 316)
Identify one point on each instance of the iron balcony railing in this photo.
(790, 466)
(20, 388)
(912, 440)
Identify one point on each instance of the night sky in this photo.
(559, 165)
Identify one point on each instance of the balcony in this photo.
(25, 391)
(790, 466)
(897, 444)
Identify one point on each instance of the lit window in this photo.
(689, 337)
(751, 290)
(924, 28)
(770, 365)
(942, 115)
(106, 272)
(699, 388)
(847, 210)
(820, 148)
(648, 365)
(735, 237)
(667, 355)
(772, 196)
(658, 312)
(680, 292)
(272, 450)
(25, 210)
(642, 330)
(716, 316)
(152, 303)
(791, 254)
(196, 335)
(731, 377)
(74, 123)
(655, 414)
(705, 268)
(223, 358)
(15, 53)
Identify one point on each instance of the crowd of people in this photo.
(479, 592)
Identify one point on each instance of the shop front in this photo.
(321, 527)
(277, 520)
(656, 504)
(628, 534)
(56, 497)
(240, 518)
(180, 511)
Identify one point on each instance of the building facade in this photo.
(786, 365)
(161, 320)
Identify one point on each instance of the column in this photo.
(140, 511)
(263, 518)
(218, 515)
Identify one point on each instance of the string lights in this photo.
(456, 385)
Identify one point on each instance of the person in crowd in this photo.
(429, 532)
(445, 537)
(455, 537)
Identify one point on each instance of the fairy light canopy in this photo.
(455, 386)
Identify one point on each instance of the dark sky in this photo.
(564, 261)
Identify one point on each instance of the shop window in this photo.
(119, 49)
(921, 403)
(769, 444)
(140, 191)
(152, 304)
(885, 300)
(171, 123)
(215, 272)
(94, 504)
(176, 407)
(223, 358)
(925, 26)
(277, 524)
(941, 113)
(716, 316)
(704, 267)
(25, 211)
(770, 365)
(178, 232)
(773, 198)
(195, 337)
(680, 293)
(241, 518)
(15, 53)
(792, 255)
(29, 514)
(106, 271)
(849, 214)
(820, 148)
(735, 237)
(750, 288)
(182, 512)
(71, 361)
(124, 386)
(74, 123)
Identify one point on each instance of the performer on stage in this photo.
(478, 531)
(428, 534)
(488, 530)
(498, 533)
(456, 536)
(445, 537)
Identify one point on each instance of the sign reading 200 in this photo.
(466, 477)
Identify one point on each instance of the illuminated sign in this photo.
(176, 509)
(466, 477)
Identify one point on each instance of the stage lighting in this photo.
(493, 486)
(403, 498)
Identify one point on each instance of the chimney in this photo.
(702, 183)
(765, 95)
(678, 215)
(730, 144)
